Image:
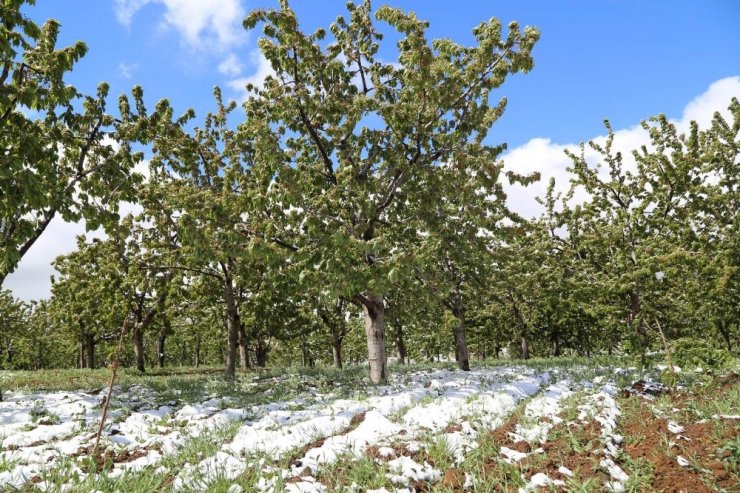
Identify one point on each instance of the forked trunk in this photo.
(374, 309)
(724, 329)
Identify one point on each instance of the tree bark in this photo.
(80, 353)
(461, 346)
(524, 346)
(724, 329)
(232, 329)
(138, 334)
(161, 348)
(243, 348)
(305, 353)
(261, 349)
(400, 344)
(555, 340)
(635, 321)
(90, 349)
(374, 309)
(336, 346)
(336, 353)
(197, 352)
(144, 320)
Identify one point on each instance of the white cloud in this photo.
(125, 10)
(32, 278)
(716, 98)
(127, 69)
(201, 24)
(261, 71)
(231, 66)
(547, 157)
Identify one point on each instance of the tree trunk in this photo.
(90, 350)
(39, 363)
(374, 309)
(400, 345)
(336, 346)
(524, 346)
(336, 353)
(261, 350)
(305, 354)
(243, 348)
(81, 359)
(724, 329)
(139, 347)
(555, 340)
(461, 346)
(232, 329)
(197, 352)
(523, 327)
(80, 354)
(635, 321)
(161, 347)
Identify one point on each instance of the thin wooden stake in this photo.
(114, 368)
(668, 354)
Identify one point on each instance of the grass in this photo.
(355, 375)
(298, 389)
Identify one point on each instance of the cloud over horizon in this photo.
(548, 157)
(201, 24)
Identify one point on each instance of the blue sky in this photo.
(619, 59)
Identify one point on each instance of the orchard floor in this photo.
(548, 425)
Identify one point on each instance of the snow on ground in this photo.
(602, 408)
(426, 404)
(39, 431)
(547, 406)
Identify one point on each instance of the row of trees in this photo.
(354, 194)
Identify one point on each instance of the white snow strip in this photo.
(201, 475)
(673, 427)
